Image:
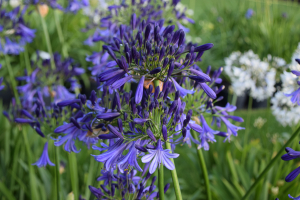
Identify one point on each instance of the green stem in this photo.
(234, 99)
(12, 79)
(47, 38)
(248, 119)
(156, 83)
(60, 34)
(161, 182)
(33, 186)
(74, 174)
(174, 177)
(27, 62)
(91, 175)
(57, 174)
(271, 163)
(204, 169)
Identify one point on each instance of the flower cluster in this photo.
(124, 185)
(155, 56)
(150, 11)
(284, 109)
(47, 82)
(247, 72)
(14, 32)
(173, 103)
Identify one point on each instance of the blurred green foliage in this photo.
(273, 28)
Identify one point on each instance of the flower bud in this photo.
(155, 71)
(181, 38)
(151, 135)
(165, 132)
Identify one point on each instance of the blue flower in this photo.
(72, 132)
(107, 176)
(183, 91)
(111, 156)
(295, 96)
(290, 155)
(249, 13)
(44, 159)
(75, 5)
(159, 156)
(296, 198)
(130, 159)
(231, 129)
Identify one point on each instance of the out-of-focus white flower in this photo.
(285, 112)
(14, 3)
(248, 72)
(294, 65)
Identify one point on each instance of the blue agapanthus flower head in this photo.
(14, 32)
(76, 5)
(52, 3)
(131, 15)
(249, 13)
(120, 185)
(48, 82)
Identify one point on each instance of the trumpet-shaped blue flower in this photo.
(44, 159)
(159, 156)
(290, 155)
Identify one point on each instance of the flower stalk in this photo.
(12, 79)
(73, 174)
(57, 174)
(161, 182)
(47, 38)
(203, 166)
(174, 177)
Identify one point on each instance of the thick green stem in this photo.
(174, 177)
(91, 175)
(156, 83)
(27, 62)
(271, 163)
(161, 182)
(74, 174)
(12, 79)
(248, 119)
(60, 34)
(234, 99)
(32, 181)
(57, 174)
(204, 169)
(47, 38)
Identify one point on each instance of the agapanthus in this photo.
(283, 106)
(248, 72)
(150, 11)
(200, 108)
(156, 56)
(158, 157)
(14, 32)
(123, 185)
(75, 5)
(44, 159)
(52, 3)
(48, 82)
(250, 12)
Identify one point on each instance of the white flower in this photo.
(248, 72)
(284, 110)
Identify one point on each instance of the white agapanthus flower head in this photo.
(285, 112)
(248, 72)
(294, 65)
